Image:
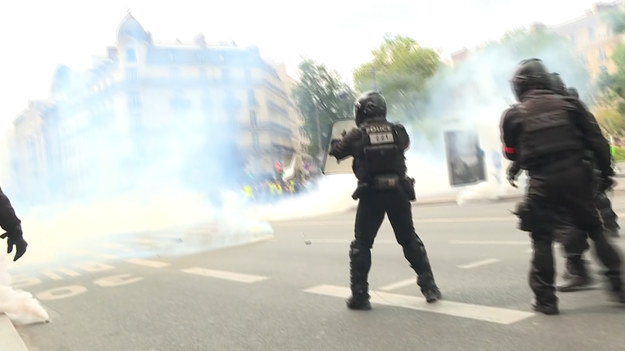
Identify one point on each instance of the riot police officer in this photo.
(378, 146)
(547, 133)
(12, 225)
(610, 218)
(573, 239)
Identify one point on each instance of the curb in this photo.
(452, 198)
(10, 339)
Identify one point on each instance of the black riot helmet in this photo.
(369, 105)
(571, 91)
(530, 74)
(557, 84)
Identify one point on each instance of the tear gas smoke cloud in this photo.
(20, 306)
(178, 212)
(473, 96)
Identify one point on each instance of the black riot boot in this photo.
(548, 308)
(415, 254)
(616, 293)
(359, 265)
(359, 300)
(577, 277)
(611, 260)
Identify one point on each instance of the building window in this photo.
(591, 34)
(253, 121)
(131, 56)
(601, 55)
(134, 101)
(255, 141)
(251, 97)
(132, 75)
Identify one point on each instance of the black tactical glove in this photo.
(15, 239)
(512, 180)
(606, 184)
(333, 142)
(513, 171)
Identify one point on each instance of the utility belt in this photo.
(554, 162)
(384, 182)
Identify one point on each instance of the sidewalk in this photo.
(10, 340)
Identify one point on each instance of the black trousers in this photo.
(373, 205)
(564, 190)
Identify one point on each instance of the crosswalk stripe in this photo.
(400, 284)
(479, 263)
(489, 242)
(458, 309)
(148, 263)
(238, 277)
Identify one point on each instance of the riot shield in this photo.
(465, 158)
(330, 164)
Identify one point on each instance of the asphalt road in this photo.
(287, 293)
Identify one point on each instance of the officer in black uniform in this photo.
(547, 134)
(12, 225)
(610, 218)
(383, 189)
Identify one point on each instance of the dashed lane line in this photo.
(399, 284)
(237, 277)
(489, 242)
(148, 263)
(479, 263)
(478, 312)
(415, 220)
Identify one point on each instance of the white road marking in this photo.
(488, 242)
(463, 219)
(237, 277)
(416, 220)
(148, 263)
(345, 241)
(97, 254)
(52, 274)
(479, 263)
(458, 309)
(400, 284)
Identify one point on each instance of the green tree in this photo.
(399, 69)
(322, 98)
(612, 85)
(612, 96)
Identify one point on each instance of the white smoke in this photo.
(20, 306)
(331, 195)
(473, 96)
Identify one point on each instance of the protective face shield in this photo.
(369, 105)
(530, 74)
(557, 84)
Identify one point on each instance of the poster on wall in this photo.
(330, 164)
(465, 158)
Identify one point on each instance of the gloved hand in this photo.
(15, 239)
(607, 183)
(333, 142)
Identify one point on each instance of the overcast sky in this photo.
(39, 35)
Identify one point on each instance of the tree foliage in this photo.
(612, 96)
(322, 98)
(399, 69)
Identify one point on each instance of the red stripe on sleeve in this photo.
(509, 150)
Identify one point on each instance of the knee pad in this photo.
(356, 248)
